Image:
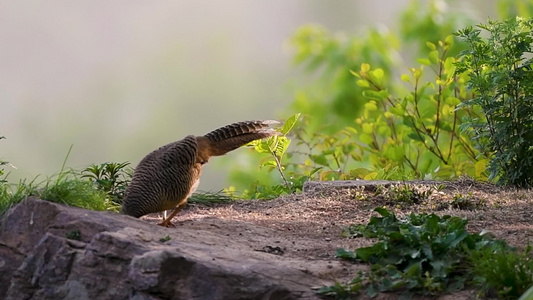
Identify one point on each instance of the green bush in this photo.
(111, 178)
(426, 254)
(69, 189)
(381, 124)
(501, 76)
(378, 124)
(505, 274)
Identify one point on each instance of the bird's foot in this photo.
(167, 224)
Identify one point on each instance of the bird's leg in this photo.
(166, 222)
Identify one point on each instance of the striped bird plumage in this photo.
(167, 177)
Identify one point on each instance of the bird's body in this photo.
(168, 176)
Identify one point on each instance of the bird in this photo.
(166, 177)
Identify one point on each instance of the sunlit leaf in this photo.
(363, 83)
(424, 61)
(431, 46)
(289, 124)
(365, 68)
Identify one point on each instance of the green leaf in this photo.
(363, 83)
(377, 75)
(269, 163)
(341, 253)
(406, 77)
(449, 41)
(431, 46)
(382, 211)
(454, 239)
(368, 128)
(434, 56)
(373, 95)
(289, 124)
(279, 145)
(424, 61)
(432, 224)
(415, 137)
(365, 68)
(452, 101)
(320, 159)
(263, 146)
(365, 253)
(371, 105)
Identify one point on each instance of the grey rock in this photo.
(119, 257)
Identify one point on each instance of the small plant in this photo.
(399, 194)
(2, 164)
(505, 274)
(165, 239)
(74, 235)
(460, 201)
(112, 178)
(408, 194)
(276, 146)
(360, 195)
(426, 254)
(69, 189)
(340, 291)
(12, 194)
(209, 198)
(501, 77)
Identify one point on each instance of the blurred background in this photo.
(117, 79)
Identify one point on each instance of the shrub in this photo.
(428, 255)
(501, 77)
(111, 178)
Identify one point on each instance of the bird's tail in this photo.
(235, 135)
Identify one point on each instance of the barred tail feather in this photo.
(235, 135)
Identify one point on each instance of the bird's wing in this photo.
(177, 170)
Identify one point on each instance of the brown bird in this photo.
(168, 176)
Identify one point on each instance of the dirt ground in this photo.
(309, 225)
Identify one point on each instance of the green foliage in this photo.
(67, 187)
(416, 134)
(406, 194)
(165, 239)
(71, 190)
(460, 201)
(501, 77)
(341, 291)
(380, 124)
(2, 164)
(73, 235)
(112, 178)
(419, 130)
(209, 198)
(528, 295)
(12, 194)
(276, 146)
(512, 8)
(431, 21)
(427, 254)
(505, 274)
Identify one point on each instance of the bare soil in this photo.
(309, 225)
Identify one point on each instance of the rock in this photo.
(51, 251)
